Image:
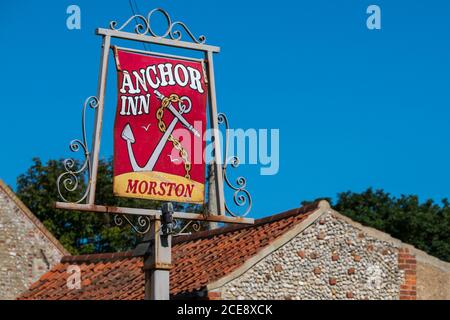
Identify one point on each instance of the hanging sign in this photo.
(159, 127)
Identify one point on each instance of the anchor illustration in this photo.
(184, 107)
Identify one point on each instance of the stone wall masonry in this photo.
(331, 259)
(25, 251)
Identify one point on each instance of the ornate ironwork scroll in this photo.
(74, 175)
(141, 224)
(143, 26)
(70, 179)
(180, 230)
(241, 196)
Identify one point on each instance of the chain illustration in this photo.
(166, 101)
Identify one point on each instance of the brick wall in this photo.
(214, 295)
(27, 250)
(407, 263)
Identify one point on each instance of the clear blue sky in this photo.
(355, 108)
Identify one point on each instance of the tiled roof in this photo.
(198, 260)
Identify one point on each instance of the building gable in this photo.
(27, 249)
(329, 259)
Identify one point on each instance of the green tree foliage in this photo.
(425, 225)
(81, 232)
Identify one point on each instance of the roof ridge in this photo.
(198, 235)
(97, 257)
(32, 217)
(232, 228)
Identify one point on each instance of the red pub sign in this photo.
(159, 125)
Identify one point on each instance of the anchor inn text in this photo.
(155, 76)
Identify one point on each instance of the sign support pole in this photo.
(212, 195)
(158, 262)
(99, 117)
(218, 173)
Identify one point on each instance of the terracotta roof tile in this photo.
(198, 259)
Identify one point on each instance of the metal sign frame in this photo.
(172, 38)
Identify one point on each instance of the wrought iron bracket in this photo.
(143, 27)
(140, 224)
(180, 230)
(70, 179)
(241, 196)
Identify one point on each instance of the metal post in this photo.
(99, 117)
(212, 196)
(215, 126)
(157, 263)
